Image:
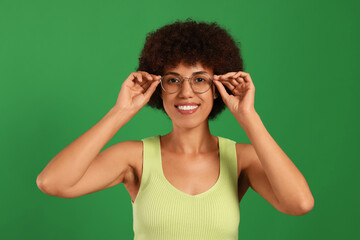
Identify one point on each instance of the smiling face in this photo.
(186, 107)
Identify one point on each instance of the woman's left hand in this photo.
(242, 102)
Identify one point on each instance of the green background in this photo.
(62, 64)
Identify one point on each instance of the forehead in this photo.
(187, 70)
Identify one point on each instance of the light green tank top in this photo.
(161, 211)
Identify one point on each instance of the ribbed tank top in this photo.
(161, 211)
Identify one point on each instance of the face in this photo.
(196, 107)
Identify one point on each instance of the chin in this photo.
(187, 121)
(187, 124)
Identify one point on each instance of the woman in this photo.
(188, 183)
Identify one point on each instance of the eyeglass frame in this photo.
(182, 80)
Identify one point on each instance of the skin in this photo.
(262, 165)
(190, 134)
(270, 172)
(81, 168)
(190, 139)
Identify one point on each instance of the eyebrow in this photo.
(191, 74)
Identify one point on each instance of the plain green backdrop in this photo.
(62, 64)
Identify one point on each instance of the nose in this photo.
(186, 89)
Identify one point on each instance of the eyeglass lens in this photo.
(200, 83)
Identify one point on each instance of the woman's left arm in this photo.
(270, 171)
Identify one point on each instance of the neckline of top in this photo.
(206, 192)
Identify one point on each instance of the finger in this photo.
(241, 77)
(227, 82)
(240, 80)
(227, 75)
(130, 78)
(224, 78)
(239, 85)
(146, 85)
(236, 91)
(149, 82)
(139, 77)
(221, 90)
(234, 82)
(145, 75)
(216, 77)
(156, 77)
(237, 81)
(153, 76)
(228, 85)
(246, 77)
(151, 90)
(237, 74)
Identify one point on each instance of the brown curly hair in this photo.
(190, 42)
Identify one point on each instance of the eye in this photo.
(172, 80)
(199, 79)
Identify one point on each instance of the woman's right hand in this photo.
(136, 91)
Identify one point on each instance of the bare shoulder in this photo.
(243, 153)
(131, 151)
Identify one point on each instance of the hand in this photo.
(240, 84)
(136, 91)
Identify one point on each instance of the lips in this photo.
(187, 108)
(187, 104)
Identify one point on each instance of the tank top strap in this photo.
(151, 155)
(228, 149)
(152, 158)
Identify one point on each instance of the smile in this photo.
(190, 107)
(187, 109)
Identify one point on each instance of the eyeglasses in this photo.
(200, 82)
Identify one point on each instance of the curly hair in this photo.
(190, 42)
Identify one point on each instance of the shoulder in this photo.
(244, 153)
(131, 151)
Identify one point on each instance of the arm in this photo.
(271, 173)
(269, 170)
(80, 168)
(70, 165)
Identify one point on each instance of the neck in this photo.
(190, 141)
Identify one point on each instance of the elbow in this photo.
(301, 208)
(307, 206)
(49, 189)
(44, 186)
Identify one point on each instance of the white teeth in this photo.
(187, 107)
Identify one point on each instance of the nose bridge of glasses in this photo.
(191, 80)
(183, 83)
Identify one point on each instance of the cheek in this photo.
(168, 106)
(211, 106)
(209, 103)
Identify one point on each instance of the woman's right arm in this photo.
(80, 168)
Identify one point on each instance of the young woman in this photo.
(188, 183)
